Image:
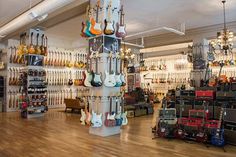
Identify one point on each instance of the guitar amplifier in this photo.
(225, 95)
(230, 115)
(168, 115)
(208, 94)
(230, 132)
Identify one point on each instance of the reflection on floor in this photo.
(60, 134)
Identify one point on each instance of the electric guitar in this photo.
(70, 81)
(87, 76)
(88, 114)
(96, 26)
(109, 24)
(118, 114)
(110, 76)
(96, 117)
(123, 114)
(122, 75)
(109, 117)
(120, 31)
(88, 23)
(83, 29)
(202, 134)
(118, 75)
(96, 79)
(83, 115)
(42, 45)
(217, 137)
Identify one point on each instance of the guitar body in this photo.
(124, 118)
(96, 120)
(118, 119)
(109, 28)
(88, 118)
(87, 31)
(83, 117)
(121, 32)
(88, 79)
(109, 80)
(122, 78)
(96, 80)
(83, 30)
(95, 28)
(217, 138)
(108, 122)
(70, 82)
(118, 80)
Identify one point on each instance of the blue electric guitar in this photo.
(118, 75)
(88, 24)
(217, 137)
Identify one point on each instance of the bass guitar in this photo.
(109, 24)
(120, 31)
(96, 26)
(110, 76)
(217, 137)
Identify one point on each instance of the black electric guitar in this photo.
(96, 77)
(70, 81)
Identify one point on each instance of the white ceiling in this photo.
(9, 9)
(142, 15)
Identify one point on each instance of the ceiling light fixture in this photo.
(39, 12)
(225, 37)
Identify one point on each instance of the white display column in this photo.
(200, 49)
(107, 46)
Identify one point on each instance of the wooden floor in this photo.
(60, 134)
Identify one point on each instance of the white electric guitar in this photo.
(96, 117)
(124, 114)
(110, 80)
(122, 75)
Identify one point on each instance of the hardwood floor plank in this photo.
(60, 134)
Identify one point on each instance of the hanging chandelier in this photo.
(225, 37)
(126, 53)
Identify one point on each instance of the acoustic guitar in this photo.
(42, 45)
(37, 48)
(109, 28)
(110, 75)
(120, 31)
(31, 47)
(96, 26)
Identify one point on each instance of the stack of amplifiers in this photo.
(188, 97)
(230, 125)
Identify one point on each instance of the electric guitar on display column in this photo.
(118, 75)
(96, 26)
(87, 75)
(96, 80)
(109, 24)
(120, 31)
(110, 76)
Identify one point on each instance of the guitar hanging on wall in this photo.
(88, 75)
(109, 24)
(96, 28)
(110, 76)
(96, 79)
(118, 75)
(120, 31)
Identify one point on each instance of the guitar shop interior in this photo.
(117, 78)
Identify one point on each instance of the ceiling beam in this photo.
(208, 32)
